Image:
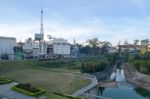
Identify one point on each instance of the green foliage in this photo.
(131, 59)
(146, 56)
(113, 58)
(137, 65)
(4, 80)
(93, 42)
(67, 96)
(28, 90)
(19, 65)
(140, 63)
(93, 65)
(95, 47)
(31, 71)
(142, 66)
(96, 64)
(143, 92)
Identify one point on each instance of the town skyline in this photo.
(106, 20)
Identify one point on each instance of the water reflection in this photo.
(124, 90)
(101, 90)
(120, 77)
(142, 92)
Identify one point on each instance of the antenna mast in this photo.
(41, 30)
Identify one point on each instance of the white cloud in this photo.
(94, 27)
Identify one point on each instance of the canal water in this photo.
(124, 90)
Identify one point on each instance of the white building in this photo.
(46, 49)
(7, 47)
(61, 47)
(129, 47)
(28, 49)
(112, 50)
(39, 48)
(28, 45)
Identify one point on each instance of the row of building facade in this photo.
(36, 48)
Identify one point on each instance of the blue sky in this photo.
(111, 20)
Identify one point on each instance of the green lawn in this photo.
(51, 79)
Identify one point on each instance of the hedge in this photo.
(27, 92)
(4, 81)
(65, 95)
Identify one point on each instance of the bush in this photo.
(65, 95)
(131, 59)
(95, 65)
(28, 89)
(142, 66)
(4, 80)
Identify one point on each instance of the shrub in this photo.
(94, 65)
(67, 96)
(28, 89)
(142, 66)
(4, 80)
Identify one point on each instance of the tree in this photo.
(144, 43)
(94, 44)
(105, 46)
(95, 47)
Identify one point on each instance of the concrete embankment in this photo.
(108, 84)
(137, 78)
(96, 78)
(94, 83)
(102, 76)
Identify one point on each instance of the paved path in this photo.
(7, 93)
(93, 84)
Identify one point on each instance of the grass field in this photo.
(50, 78)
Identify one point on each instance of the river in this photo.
(124, 90)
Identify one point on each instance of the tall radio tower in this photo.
(40, 36)
(41, 30)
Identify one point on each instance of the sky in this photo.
(108, 20)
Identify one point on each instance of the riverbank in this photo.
(137, 78)
(94, 83)
(102, 76)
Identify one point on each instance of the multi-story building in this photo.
(60, 47)
(129, 48)
(112, 50)
(28, 49)
(39, 49)
(7, 47)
